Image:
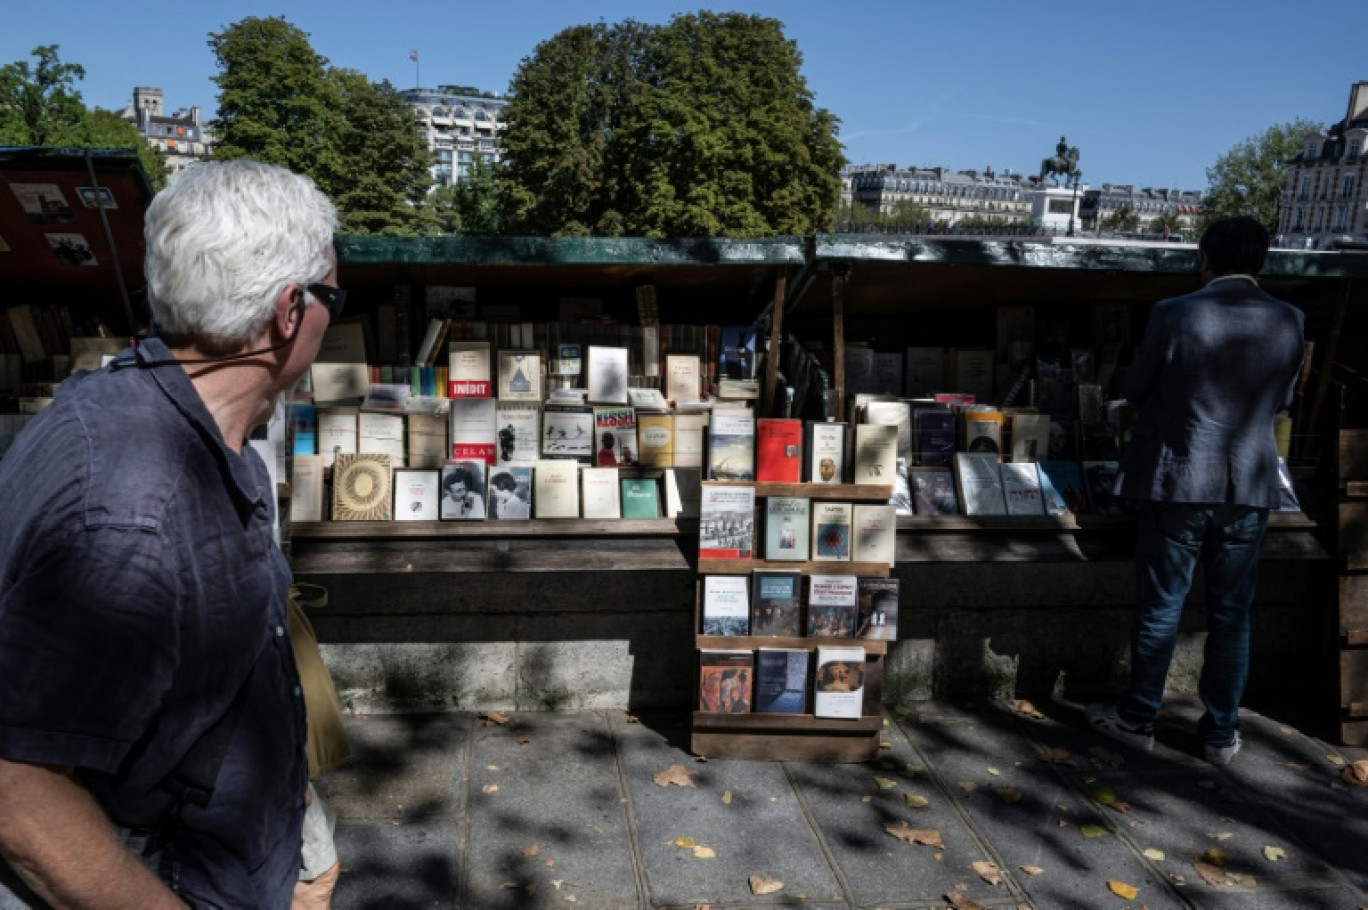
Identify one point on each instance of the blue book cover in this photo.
(781, 681)
(776, 602)
(305, 429)
(1061, 482)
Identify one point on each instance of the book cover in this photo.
(832, 602)
(339, 371)
(878, 609)
(876, 454)
(971, 372)
(933, 491)
(786, 528)
(473, 434)
(306, 488)
(1021, 488)
(901, 500)
(361, 487)
(556, 485)
(569, 359)
(429, 440)
(468, 372)
(1099, 480)
(599, 493)
(859, 370)
(726, 522)
(825, 445)
(520, 376)
(894, 414)
(416, 494)
(510, 493)
(781, 680)
(336, 433)
(726, 605)
(381, 434)
(838, 686)
(688, 440)
(615, 437)
(925, 371)
(980, 483)
(1030, 436)
(683, 492)
(647, 400)
(1061, 484)
(607, 375)
(518, 432)
(778, 450)
(725, 681)
(568, 432)
(655, 435)
(888, 373)
(681, 377)
(982, 430)
(640, 497)
(831, 531)
(463, 490)
(304, 418)
(731, 446)
(776, 602)
(874, 532)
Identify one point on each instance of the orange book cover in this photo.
(778, 450)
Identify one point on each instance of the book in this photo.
(824, 446)
(776, 602)
(615, 439)
(781, 680)
(361, 487)
(473, 434)
(896, 414)
(1021, 488)
(655, 436)
(683, 492)
(923, 371)
(876, 454)
(429, 440)
(417, 494)
(520, 376)
(877, 617)
(934, 432)
(1099, 480)
(304, 420)
(463, 490)
(874, 533)
(432, 338)
(726, 605)
(859, 369)
(725, 681)
(971, 372)
(510, 493)
(556, 485)
(336, 433)
(888, 373)
(681, 377)
(838, 684)
(726, 522)
(933, 491)
(1061, 485)
(468, 370)
(831, 531)
(688, 440)
(901, 500)
(568, 432)
(982, 429)
(786, 528)
(647, 400)
(640, 497)
(569, 359)
(979, 483)
(778, 450)
(831, 606)
(339, 373)
(517, 432)
(607, 375)
(381, 434)
(599, 493)
(1030, 436)
(731, 446)
(306, 488)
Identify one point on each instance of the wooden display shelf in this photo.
(543, 527)
(785, 737)
(746, 566)
(838, 492)
(872, 646)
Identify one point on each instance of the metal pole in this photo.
(113, 250)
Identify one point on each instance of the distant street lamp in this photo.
(1076, 176)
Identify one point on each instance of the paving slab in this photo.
(402, 766)
(397, 866)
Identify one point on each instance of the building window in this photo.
(1347, 187)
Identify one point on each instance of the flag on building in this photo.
(413, 55)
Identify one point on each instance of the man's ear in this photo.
(289, 309)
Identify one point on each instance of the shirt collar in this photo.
(1250, 278)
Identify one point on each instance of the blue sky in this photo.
(1151, 93)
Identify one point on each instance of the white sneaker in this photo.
(1223, 755)
(1105, 720)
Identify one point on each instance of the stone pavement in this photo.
(561, 810)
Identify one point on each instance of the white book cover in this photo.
(568, 432)
(839, 682)
(306, 488)
(429, 440)
(417, 494)
(381, 434)
(520, 376)
(897, 414)
(726, 605)
(1021, 488)
(336, 433)
(1030, 437)
(831, 531)
(599, 492)
(826, 444)
(468, 372)
(681, 377)
(980, 483)
(688, 440)
(472, 429)
(876, 454)
(647, 400)
(875, 532)
(607, 375)
(556, 482)
(463, 490)
(518, 433)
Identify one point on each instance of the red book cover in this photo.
(778, 450)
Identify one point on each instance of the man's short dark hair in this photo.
(1234, 246)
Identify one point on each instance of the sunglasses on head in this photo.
(335, 298)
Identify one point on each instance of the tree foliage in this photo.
(1249, 179)
(384, 162)
(1166, 220)
(472, 205)
(1123, 218)
(702, 127)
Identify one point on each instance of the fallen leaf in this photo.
(1025, 707)
(1244, 880)
(1107, 797)
(1156, 855)
(688, 843)
(550, 863)
(1122, 890)
(1178, 879)
(1273, 854)
(915, 801)
(675, 774)
(633, 719)
(1056, 755)
(928, 837)
(704, 853)
(764, 884)
(968, 786)
(557, 882)
(491, 767)
(531, 850)
(914, 769)
(489, 788)
(988, 872)
(508, 885)
(491, 718)
(885, 745)
(1220, 835)
(866, 799)
(995, 772)
(884, 783)
(1031, 870)
(726, 797)
(1356, 773)
(960, 901)
(1008, 795)
(1216, 856)
(1210, 874)
(571, 899)
(524, 740)
(1093, 831)
(1335, 759)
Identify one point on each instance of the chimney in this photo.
(1358, 101)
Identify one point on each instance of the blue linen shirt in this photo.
(140, 589)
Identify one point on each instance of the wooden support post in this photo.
(838, 280)
(1310, 427)
(772, 357)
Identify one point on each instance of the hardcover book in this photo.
(336, 433)
(607, 375)
(615, 437)
(726, 522)
(306, 488)
(557, 489)
(640, 497)
(473, 434)
(776, 603)
(468, 373)
(463, 490)
(1021, 488)
(839, 682)
(518, 432)
(726, 605)
(655, 435)
(429, 440)
(933, 491)
(361, 488)
(781, 680)
(600, 496)
(688, 440)
(681, 377)
(786, 529)
(520, 376)
(1061, 484)
(510, 493)
(416, 494)
(725, 681)
(876, 454)
(878, 609)
(1099, 479)
(778, 450)
(731, 446)
(875, 531)
(832, 602)
(980, 483)
(568, 432)
(825, 445)
(381, 434)
(831, 531)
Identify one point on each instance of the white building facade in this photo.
(182, 137)
(461, 125)
(1324, 199)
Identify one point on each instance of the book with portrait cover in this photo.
(1021, 488)
(607, 375)
(1099, 480)
(725, 681)
(980, 483)
(874, 533)
(417, 493)
(776, 602)
(473, 434)
(832, 605)
(933, 491)
(556, 482)
(781, 680)
(655, 435)
(520, 376)
(831, 531)
(838, 684)
(599, 493)
(824, 452)
(731, 446)
(878, 609)
(876, 454)
(778, 450)
(517, 433)
(982, 429)
(726, 522)
(568, 432)
(726, 605)
(463, 490)
(786, 529)
(615, 437)
(510, 493)
(468, 373)
(361, 488)
(640, 497)
(1061, 484)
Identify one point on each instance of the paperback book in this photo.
(473, 434)
(776, 602)
(1061, 484)
(874, 530)
(607, 375)
(878, 609)
(1030, 436)
(876, 454)
(681, 377)
(731, 446)
(556, 485)
(982, 430)
(306, 488)
(778, 450)
(463, 491)
(831, 531)
(416, 494)
(781, 680)
(726, 605)
(361, 488)
(640, 497)
(429, 440)
(980, 483)
(568, 432)
(839, 683)
(520, 376)
(726, 522)
(615, 437)
(519, 432)
(655, 435)
(381, 434)
(824, 445)
(832, 606)
(468, 372)
(336, 433)
(510, 493)
(600, 496)
(688, 440)
(925, 371)
(935, 435)
(893, 413)
(725, 681)
(786, 529)
(1021, 488)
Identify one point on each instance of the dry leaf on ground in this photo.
(1216, 856)
(1335, 759)
(1031, 870)
(1210, 874)
(704, 853)
(1156, 855)
(531, 850)
(1107, 797)
(1220, 835)
(1243, 880)
(726, 797)
(1056, 755)
(1008, 794)
(960, 901)
(885, 783)
(1093, 831)
(995, 772)
(1273, 854)
(928, 837)
(491, 718)
(687, 843)
(1122, 890)
(675, 774)
(764, 884)
(988, 872)
(487, 789)
(1356, 773)
(914, 801)
(1025, 707)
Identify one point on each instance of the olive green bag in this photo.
(327, 737)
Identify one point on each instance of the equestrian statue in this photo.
(1063, 164)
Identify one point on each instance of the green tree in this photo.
(1249, 179)
(1168, 220)
(472, 205)
(40, 104)
(907, 214)
(1121, 219)
(384, 163)
(107, 130)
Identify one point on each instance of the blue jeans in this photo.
(1171, 539)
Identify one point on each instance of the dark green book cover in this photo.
(640, 498)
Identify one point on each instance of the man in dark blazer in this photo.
(1213, 370)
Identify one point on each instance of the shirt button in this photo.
(298, 691)
(280, 631)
